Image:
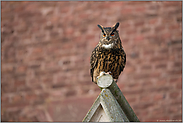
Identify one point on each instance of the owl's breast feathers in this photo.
(104, 59)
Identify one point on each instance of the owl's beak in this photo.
(108, 38)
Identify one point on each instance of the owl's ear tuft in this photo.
(101, 27)
(116, 26)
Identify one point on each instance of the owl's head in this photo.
(109, 36)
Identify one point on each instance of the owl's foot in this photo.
(115, 80)
(101, 73)
(109, 73)
(104, 73)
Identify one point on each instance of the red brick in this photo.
(158, 97)
(163, 88)
(57, 93)
(174, 95)
(161, 66)
(175, 72)
(46, 48)
(30, 97)
(70, 106)
(143, 106)
(139, 38)
(146, 67)
(131, 100)
(160, 28)
(131, 32)
(134, 91)
(121, 85)
(159, 111)
(140, 9)
(163, 51)
(172, 109)
(17, 99)
(145, 30)
(176, 102)
(7, 69)
(21, 69)
(126, 11)
(69, 31)
(161, 82)
(71, 92)
(166, 36)
(141, 114)
(147, 83)
(4, 99)
(130, 69)
(159, 58)
(179, 85)
(7, 87)
(148, 52)
(153, 21)
(20, 83)
(177, 118)
(177, 49)
(23, 89)
(171, 3)
(175, 27)
(142, 76)
(165, 20)
(139, 23)
(176, 80)
(90, 37)
(145, 98)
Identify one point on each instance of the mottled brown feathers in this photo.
(108, 55)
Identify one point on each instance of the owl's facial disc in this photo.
(108, 37)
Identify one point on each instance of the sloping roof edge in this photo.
(110, 107)
(113, 102)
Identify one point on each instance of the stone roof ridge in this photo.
(110, 105)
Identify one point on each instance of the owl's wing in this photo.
(93, 61)
(122, 60)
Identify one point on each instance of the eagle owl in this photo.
(108, 57)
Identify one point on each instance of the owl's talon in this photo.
(101, 73)
(110, 73)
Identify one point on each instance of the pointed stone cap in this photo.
(110, 105)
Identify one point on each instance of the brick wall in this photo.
(46, 49)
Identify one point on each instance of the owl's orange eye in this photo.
(112, 34)
(104, 35)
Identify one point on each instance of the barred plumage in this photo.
(108, 55)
